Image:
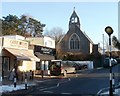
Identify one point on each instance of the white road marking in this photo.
(69, 79)
(58, 85)
(38, 81)
(100, 91)
(43, 80)
(48, 88)
(40, 87)
(48, 91)
(66, 93)
(63, 82)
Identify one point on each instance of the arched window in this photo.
(74, 19)
(74, 42)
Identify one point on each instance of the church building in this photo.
(75, 41)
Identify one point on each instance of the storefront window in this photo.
(19, 63)
(42, 65)
(46, 65)
(38, 65)
(6, 63)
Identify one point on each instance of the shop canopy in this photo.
(22, 54)
(44, 56)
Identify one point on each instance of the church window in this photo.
(74, 42)
(75, 19)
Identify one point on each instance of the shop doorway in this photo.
(5, 66)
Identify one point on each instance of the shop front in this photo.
(45, 55)
(16, 55)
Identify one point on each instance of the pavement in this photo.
(8, 85)
(6, 81)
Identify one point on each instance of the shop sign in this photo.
(46, 50)
(13, 43)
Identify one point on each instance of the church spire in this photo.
(74, 20)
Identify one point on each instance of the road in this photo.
(85, 83)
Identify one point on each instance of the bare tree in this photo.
(56, 33)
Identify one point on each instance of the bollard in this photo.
(42, 73)
(1, 78)
(113, 82)
(15, 81)
(49, 73)
(32, 75)
(26, 81)
(22, 76)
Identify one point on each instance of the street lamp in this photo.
(109, 31)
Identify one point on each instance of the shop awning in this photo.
(44, 56)
(22, 54)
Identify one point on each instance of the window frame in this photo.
(8, 63)
(74, 42)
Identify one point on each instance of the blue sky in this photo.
(94, 16)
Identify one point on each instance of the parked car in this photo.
(106, 62)
(67, 69)
(57, 68)
(77, 66)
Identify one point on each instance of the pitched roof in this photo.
(88, 37)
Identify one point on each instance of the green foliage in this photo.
(115, 42)
(81, 57)
(10, 25)
(25, 26)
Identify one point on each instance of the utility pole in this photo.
(103, 45)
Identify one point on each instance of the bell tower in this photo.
(74, 20)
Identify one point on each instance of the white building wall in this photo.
(28, 65)
(42, 41)
(13, 43)
(17, 37)
(36, 41)
(49, 42)
(91, 46)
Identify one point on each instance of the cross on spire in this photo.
(74, 8)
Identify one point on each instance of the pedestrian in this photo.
(12, 74)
